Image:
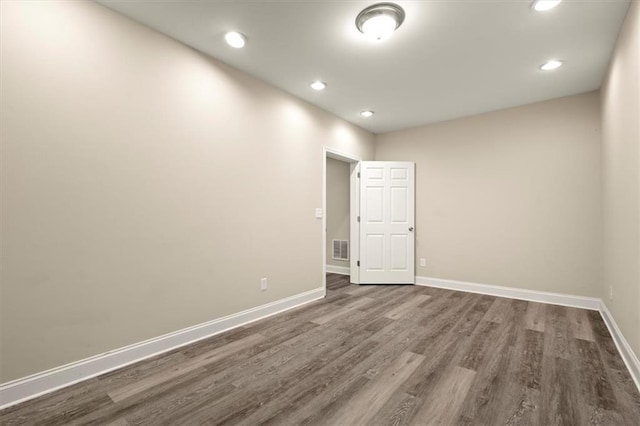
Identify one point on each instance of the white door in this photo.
(387, 213)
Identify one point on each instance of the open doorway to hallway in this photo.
(340, 205)
(338, 217)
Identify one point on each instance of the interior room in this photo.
(314, 212)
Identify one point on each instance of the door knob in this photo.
(411, 229)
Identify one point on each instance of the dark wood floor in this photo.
(371, 355)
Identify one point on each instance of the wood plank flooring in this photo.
(371, 355)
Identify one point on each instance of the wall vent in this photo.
(340, 250)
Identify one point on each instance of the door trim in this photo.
(354, 161)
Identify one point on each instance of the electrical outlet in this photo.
(263, 284)
(610, 292)
(423, 262)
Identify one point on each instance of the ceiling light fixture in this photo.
(544, 5)
(380, 20)
(551, 65)
(367, 114)
(318, 85)
(235, 39)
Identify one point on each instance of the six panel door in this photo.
(387, 218)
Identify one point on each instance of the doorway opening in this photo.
(339, 223)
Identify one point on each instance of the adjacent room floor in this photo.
(371, 355)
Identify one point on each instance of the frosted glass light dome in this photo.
(544, 5)
(379, 27)
(377, 22)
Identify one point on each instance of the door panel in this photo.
(398, 173)
(374, 252)
(375, 204)
(399, 253)
(387, 205)
(374, 173)
(399, 201)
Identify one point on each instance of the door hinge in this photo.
(358, 174)
(358, 264)
(358, 218)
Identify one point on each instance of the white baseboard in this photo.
(342, 270)
(26, 388)
(591, 303)
(627, 354)
(30, 387)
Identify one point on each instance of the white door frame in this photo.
(354, 162)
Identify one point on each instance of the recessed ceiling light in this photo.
(544, 5)
(379, 21)
(318, 85)
(367, 114)
(235, 39)
(551, 65)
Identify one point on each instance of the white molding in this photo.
(628, 356)
(354, 224)
(342, 270)
(336, 154)
(591, 303)
(30, 387)
(339, 155)
(26, 388)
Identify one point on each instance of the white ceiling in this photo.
(450, 58)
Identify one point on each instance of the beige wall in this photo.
(621, 175)
(145, 187)
(509, 198)
(338, 185)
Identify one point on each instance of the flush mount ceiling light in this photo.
(367, 114)
(318, 85)
(544, 5)
(551, 65)
(380, 20)
(235, 39)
